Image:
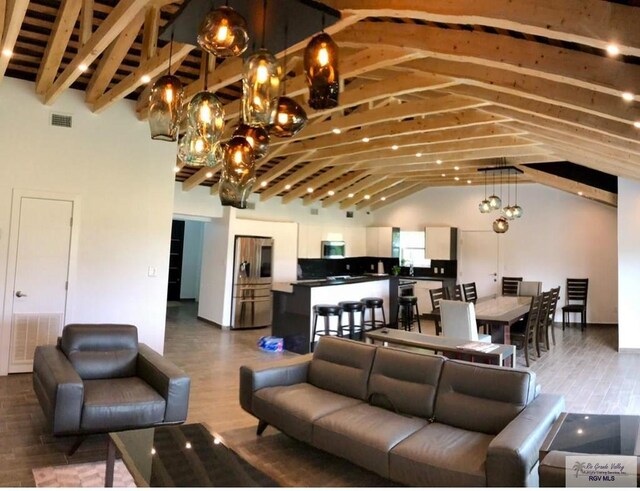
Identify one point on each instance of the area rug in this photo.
(296, 464)
(89, 475)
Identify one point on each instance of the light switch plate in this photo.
(152, 272)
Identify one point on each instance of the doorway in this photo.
(185, 261)
(478, 261)
(38, 274)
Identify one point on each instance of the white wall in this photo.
(629, 264)
(215, 298)
(124, 182)
(191, 259)
(559, 236)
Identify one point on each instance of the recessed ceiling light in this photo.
(350, 195)
(418, 155)
(383, 199)
(443, 175)
(627, 96)
(153, 451)
(309, 190)
(145, 79)
(365, 140)
(7, 52)
(613, 50)
(636, 124)
(457, 168)
(337, 131)
(394, 147)
(468, 181)
(331, 193)
(366, 196)
(456, 178)
(264, 184)
(287, 187)
(438, 161)
(187, 445)
(176, 169)
(83, 67)
(209, 175)
(579, 193)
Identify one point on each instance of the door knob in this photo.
(20, 294)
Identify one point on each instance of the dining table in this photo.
(498, 312)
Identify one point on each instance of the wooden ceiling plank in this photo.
(14, 15)
(150, 32)
(200, 176)
(293, 179)
(279, 169)
(589, 22)
(354, 188)
(86, 21)
(408, 191)
(151, 68)
(3, 11)
(316, 183)
(369, 191)
(121, 15)
(335, 184)
(570, 186)
(590, 71)
(57, 44)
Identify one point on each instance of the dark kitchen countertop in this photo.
(427, 278)
(324, 282)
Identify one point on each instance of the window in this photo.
(412, 249)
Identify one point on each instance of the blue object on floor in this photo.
(271, 343)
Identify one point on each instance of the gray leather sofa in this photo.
(417, 419)
(98, 379)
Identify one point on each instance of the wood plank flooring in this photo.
(584, 366)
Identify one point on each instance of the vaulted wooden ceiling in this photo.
(432, 90)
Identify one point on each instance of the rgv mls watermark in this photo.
(601, 470)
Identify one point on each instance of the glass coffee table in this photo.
(181, 456)
(594, 434)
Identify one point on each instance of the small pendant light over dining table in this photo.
(238, 173)
(223, 33)
(257, 137)
(321, 70)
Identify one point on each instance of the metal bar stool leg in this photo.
(418, 318)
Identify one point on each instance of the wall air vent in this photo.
(349, 214)
(250, 205)
(62, 120)
(314, 211)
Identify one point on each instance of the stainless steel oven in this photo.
(333, 249)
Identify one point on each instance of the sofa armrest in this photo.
(514, 452)
(59, 389)
(168, 380)
(284, 372)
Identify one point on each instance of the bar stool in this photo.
(408, 304)
(352, 307)
(327, 311)
(371, 304)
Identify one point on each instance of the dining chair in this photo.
(543, 321)
(525, 339)
(529, 288)
(555, 296)
(510, 285)
(470, 292)
(438, 294)
(577, 289)
(458, 320)
(456, 294)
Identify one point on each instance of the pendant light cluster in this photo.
(264, 112)
(494, 202)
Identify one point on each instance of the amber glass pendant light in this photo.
(494, 201)
(238, 173)
(223, 33)
(290, 116)
(500, 225)
(516, 209)
(165, 105)
(485, 205)
(257, 137)
(260, 84)
(321, 70)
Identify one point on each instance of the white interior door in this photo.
(41, 273)
(478, 261)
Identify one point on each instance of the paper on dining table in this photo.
(484, 347)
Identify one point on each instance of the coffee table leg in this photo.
(111, 460)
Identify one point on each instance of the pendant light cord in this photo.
(284, 77)
(170, 53)
(206, 71)
(508, 188)
(264, 21)
(485, 186)
(516, 189)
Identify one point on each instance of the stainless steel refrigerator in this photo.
(252, 279)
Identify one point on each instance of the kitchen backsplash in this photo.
(354, 266)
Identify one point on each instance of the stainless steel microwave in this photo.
(332, 249)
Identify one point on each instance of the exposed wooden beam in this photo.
(151, 68)
(294, 178)
(353, 189)
(86, 21)
(334, 185)
(279, 169)
(385, 193)
(121, 15)
(570, 186)
(408, 191)
(315, 184)
(57, 44)
(150, 33)
(14, 15)
(3, 11)
(578, 155)
(200, 176)
(582, 69)
(369, 191)
(112, 59)
(589, 22)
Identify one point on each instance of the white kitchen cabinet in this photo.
(379, 241)
(355, 241)
(421, 290)
(309, 239)
(441, 242)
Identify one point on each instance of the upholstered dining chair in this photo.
(458, 320)
(529, 288)
(98, 379)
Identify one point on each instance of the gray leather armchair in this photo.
(99, 378)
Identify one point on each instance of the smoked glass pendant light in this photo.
(290, 116)
(223, 33)
(193, 149)
(485, 206)
(260, 84)
(257, 137)
(321, 70)
(494, 201)
(165, 104)
(516, 210)
(507, 211)
(500, 225)
(238, 173)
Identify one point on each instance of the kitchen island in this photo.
(292, 317)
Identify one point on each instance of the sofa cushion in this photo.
(364, 435)
(440, 455)
(404, 381)
(294, 408)
(119, 404)
(482, 398)
(342, 366)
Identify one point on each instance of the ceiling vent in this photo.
(349, 214)
(62, 120)
(314, 211)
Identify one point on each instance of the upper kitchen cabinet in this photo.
(310, 238)
(383, 241)
(441, 242)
